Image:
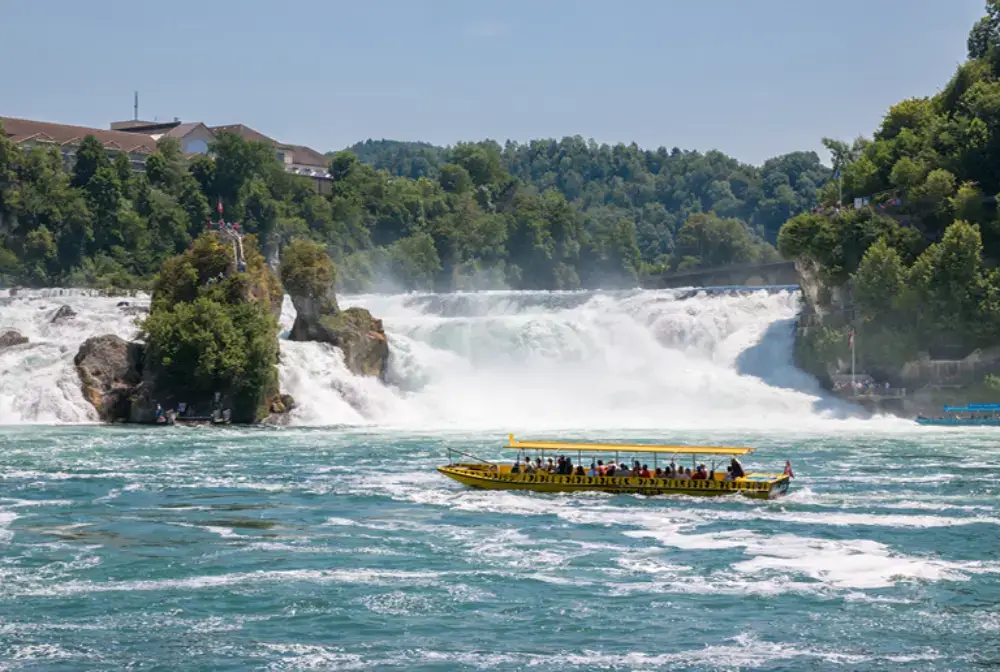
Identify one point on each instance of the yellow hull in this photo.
(488, 477)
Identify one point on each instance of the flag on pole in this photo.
(220, 206)
(850, 340)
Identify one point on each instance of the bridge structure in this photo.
(778, 275)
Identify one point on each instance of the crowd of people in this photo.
(563, 466)
(861, 386)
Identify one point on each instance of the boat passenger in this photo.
(644, 472)
(623, 471)
(610, 470)
(658, 473)
(529, 468)
(681, 475)
(550, 467)
(579, 471)
(593, 470)
(516, 468)
(538, 464)
(737, 469)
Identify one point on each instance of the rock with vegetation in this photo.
(206, 337)
(11, 337)
(913, 271)
(109, 368)
(308, 276)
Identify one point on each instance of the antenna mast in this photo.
(136, 106)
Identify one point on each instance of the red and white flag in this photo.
(850, 341)
(220, 206)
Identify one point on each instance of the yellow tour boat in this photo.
(667, 481)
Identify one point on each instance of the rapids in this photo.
(334, 543)
(493, 360)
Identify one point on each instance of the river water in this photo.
(288, 549)
(334, 543)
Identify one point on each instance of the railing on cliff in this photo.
(873, 393)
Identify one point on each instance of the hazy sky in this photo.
(752, 78)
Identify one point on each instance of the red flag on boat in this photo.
(788, 469)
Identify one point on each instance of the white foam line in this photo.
(373, 576)
(744, 652)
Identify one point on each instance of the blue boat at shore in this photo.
(970, 415)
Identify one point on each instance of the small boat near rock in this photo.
(666, 477)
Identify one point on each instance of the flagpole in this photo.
(853, 386)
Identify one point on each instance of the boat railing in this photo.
(455, 451)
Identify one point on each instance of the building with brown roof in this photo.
(67, 139)
(138, 139)
(297, 159)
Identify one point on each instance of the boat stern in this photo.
(767, 486)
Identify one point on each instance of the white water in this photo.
(512, 360)
(38, 383)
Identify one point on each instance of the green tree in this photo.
(715, 241)
(879, 281)
(90, 157)
(306, 269)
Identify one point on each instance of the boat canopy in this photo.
(971, 408)
(629, 447)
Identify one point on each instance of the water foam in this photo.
(635, 359)
(555, 360)
(38, 383)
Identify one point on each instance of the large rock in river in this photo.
(308, 276)
(11, 337)
(359, 335)
(64, 313)
(109, 368)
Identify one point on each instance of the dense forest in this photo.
(655, 190)
(920, 257)
(546, 215)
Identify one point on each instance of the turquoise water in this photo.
(204, 549)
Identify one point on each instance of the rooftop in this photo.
(23, 130)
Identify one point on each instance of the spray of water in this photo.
(490, 360)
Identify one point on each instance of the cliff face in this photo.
(308, 276)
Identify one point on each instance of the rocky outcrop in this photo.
(110, 368)
(11, 337)
(64, 313)
(359, 336)
(308, 276)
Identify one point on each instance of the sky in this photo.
(752, 78)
